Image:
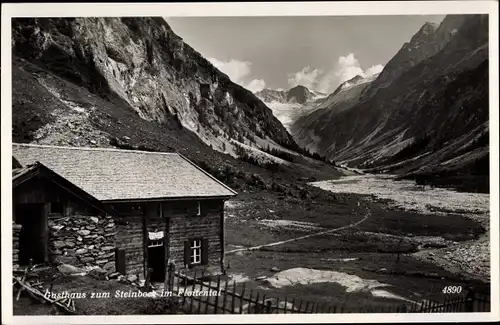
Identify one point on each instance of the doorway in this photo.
(156, 260)
(33, 237)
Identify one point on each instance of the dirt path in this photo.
(302, 237)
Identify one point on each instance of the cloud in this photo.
(238, 71)
(374, 70)
(345, 68)
(304, 77)
(235, 69)
(256, 85)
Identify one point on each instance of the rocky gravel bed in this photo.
(469, 260)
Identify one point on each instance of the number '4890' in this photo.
(452, 289)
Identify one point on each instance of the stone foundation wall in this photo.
(16, 231)
(83, 241)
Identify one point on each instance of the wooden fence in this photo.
(224, 297)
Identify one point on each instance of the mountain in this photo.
(425, 115)
(299, 94)
(289, 105)
(143, 64)
(272, 95)
(316, 121)
(133, 83)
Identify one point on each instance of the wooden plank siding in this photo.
(44, 191)
(129, 237)
(186, 225)
(179, 222)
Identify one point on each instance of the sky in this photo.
(319, 52)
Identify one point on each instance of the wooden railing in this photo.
(230, 298)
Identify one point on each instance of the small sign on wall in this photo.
(156, 235)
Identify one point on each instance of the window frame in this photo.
(195, 251)
(155, 242)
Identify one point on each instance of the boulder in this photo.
(98, 273)
(67, 259)
(109, 266)
(87, 259)
(84, 232)
(59, 244)
(103, 255)
(275, 269)
(68, 269)
(81, 251)
(69, 243)
(114, 275)
(132, 278)
(94, 219)
(70, 252)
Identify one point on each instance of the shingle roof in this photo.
(18, 172)
(24, 174)
(114, 174)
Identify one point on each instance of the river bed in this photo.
(469, 257)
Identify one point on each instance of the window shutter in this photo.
(204, 251)
(187, 253)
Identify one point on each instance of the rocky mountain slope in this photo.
(144, 64)
(132, 83)
(425, 115)
(289, 105)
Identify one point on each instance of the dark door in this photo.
(33, 238)
(156, 260)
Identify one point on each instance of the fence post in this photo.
(169, 279)
(201, 289)
(469, 300)
(233, 296)
(224, 300)
(217, 297)
(258, 307)
(207, 301)
(300, 306)
(241, 298)
(250, 302)
(269, 308)
(147, 285)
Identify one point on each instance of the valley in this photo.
(358, 196)
(405, 245)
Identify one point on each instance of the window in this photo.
(160, 211)
(155, 238)
(155, 242)
(128, 208)
(198, 210)
(56, 207)
(195, 251)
